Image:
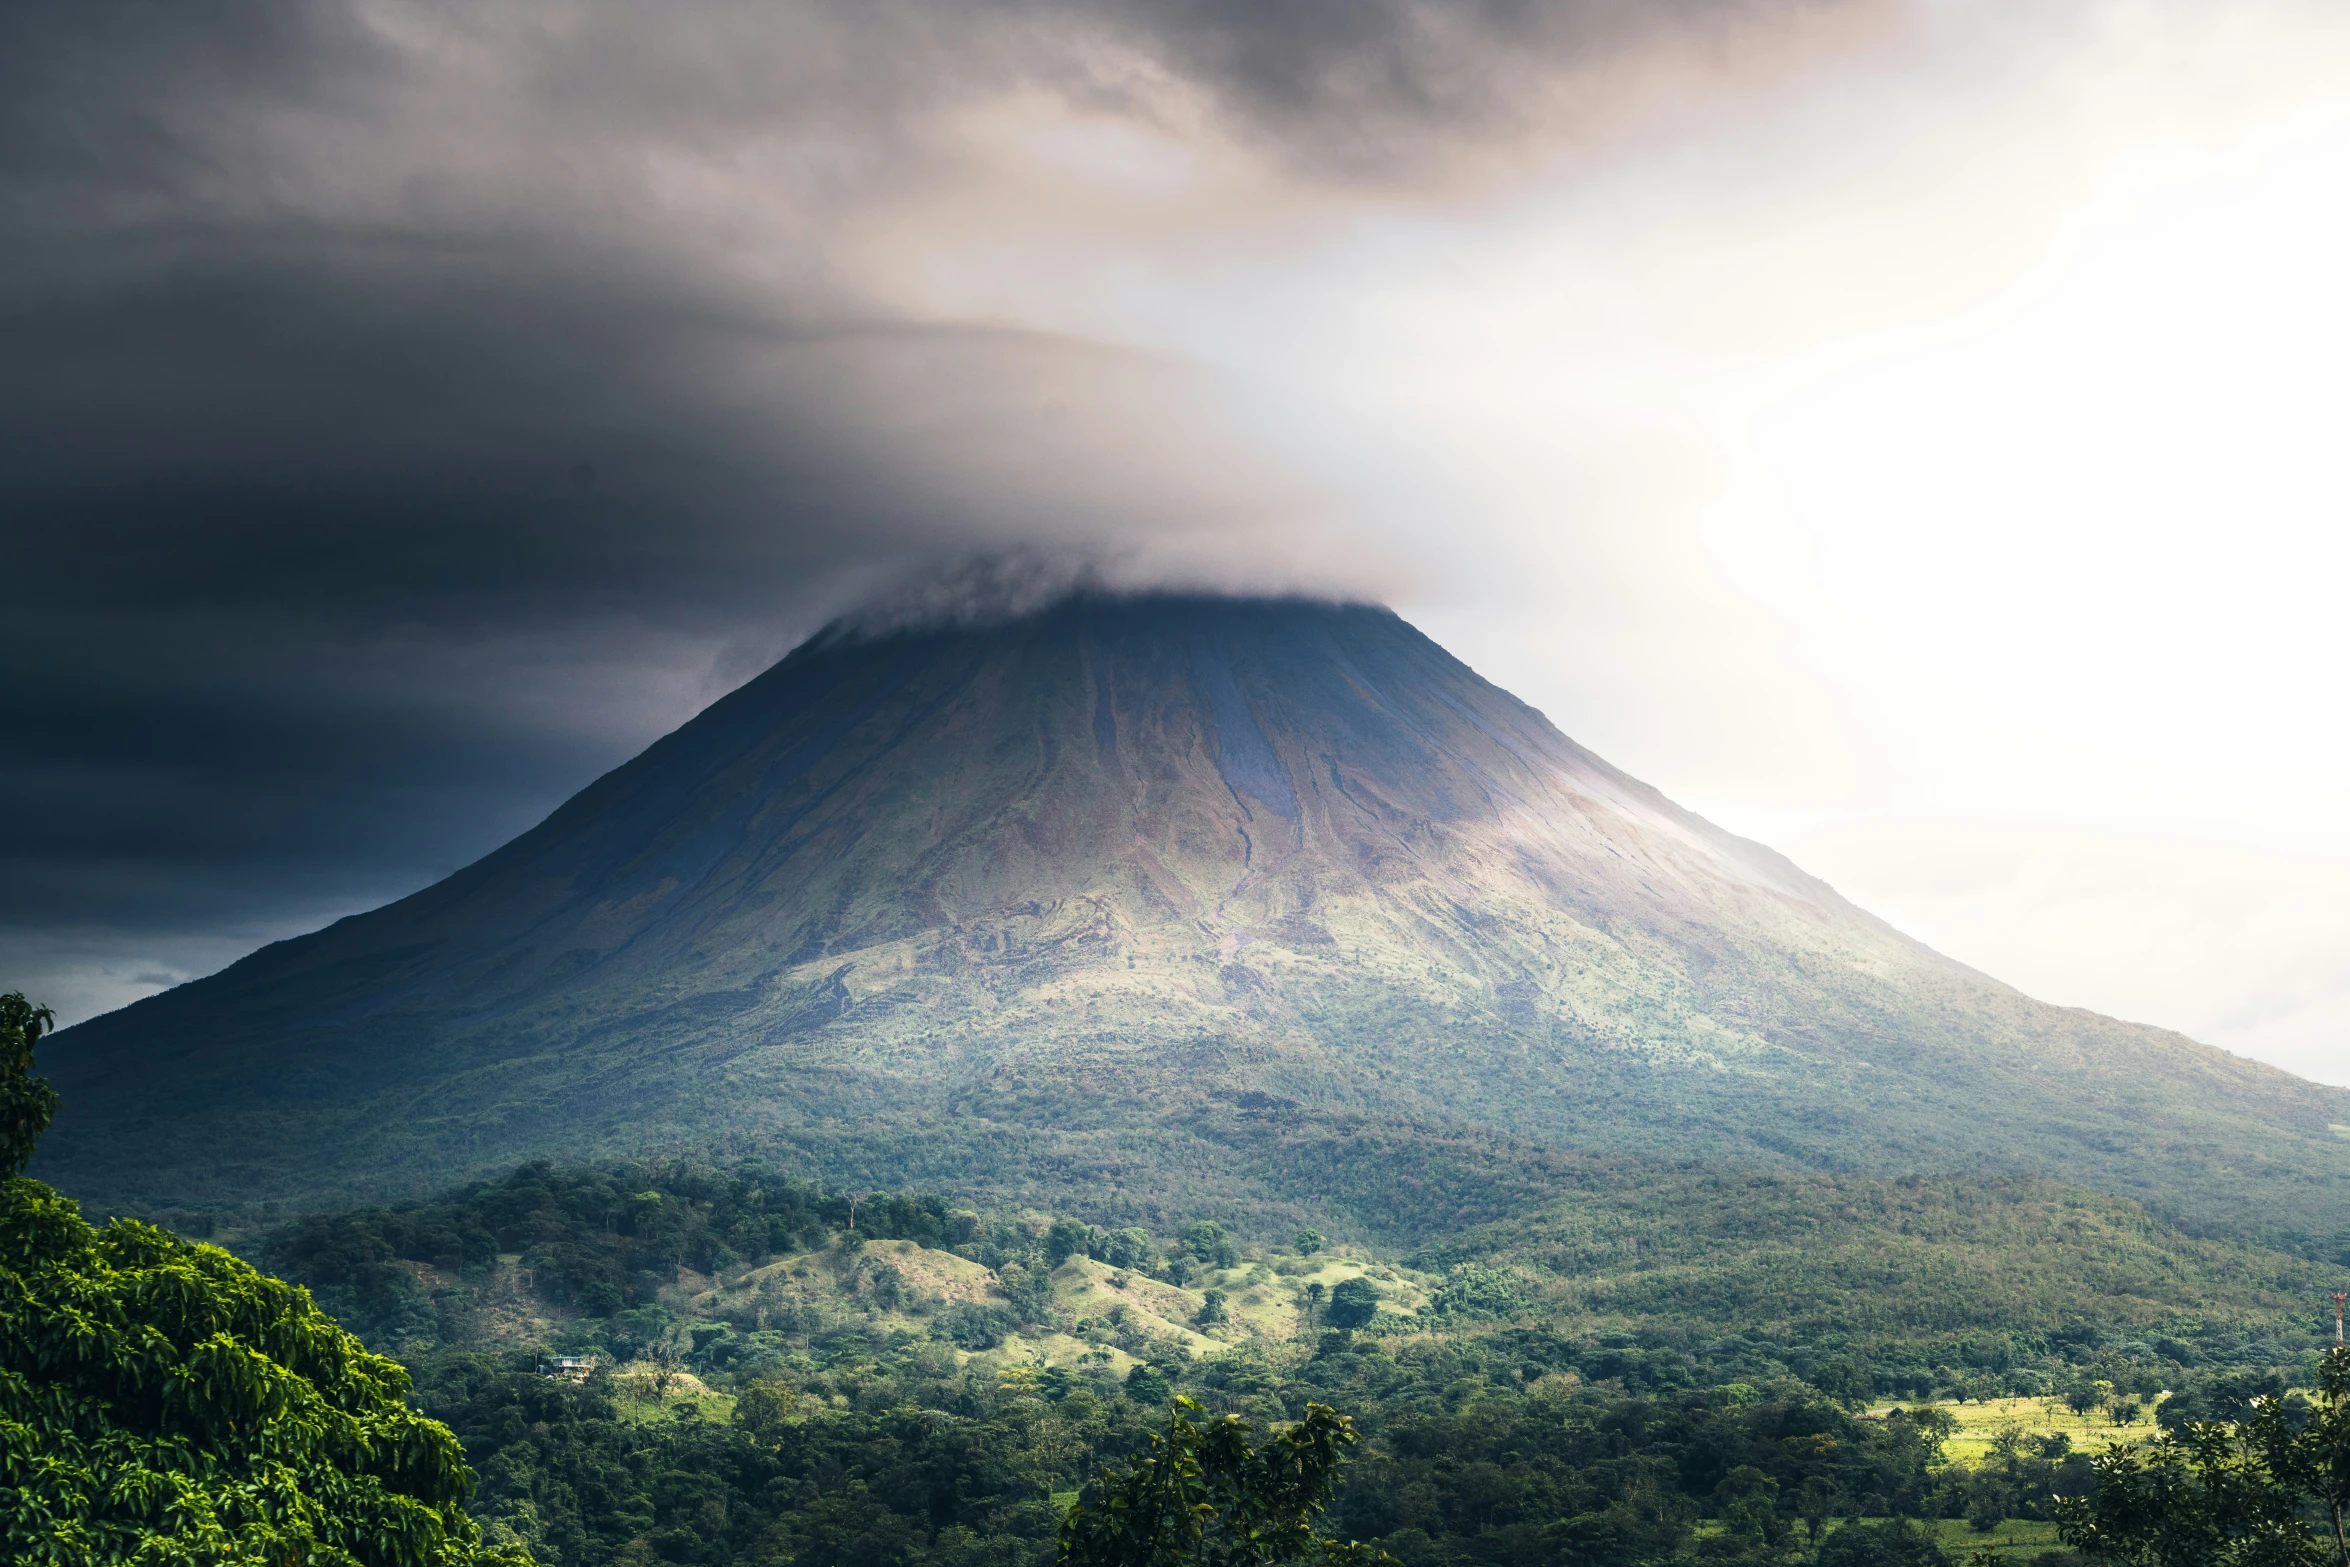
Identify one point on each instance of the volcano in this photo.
(1139, 891)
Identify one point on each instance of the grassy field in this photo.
(1264, 1299)
(2015, 1541)
(1981, 1424)
(641, 1398)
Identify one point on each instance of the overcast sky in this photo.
(1908, 431)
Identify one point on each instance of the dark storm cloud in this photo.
(407, 410)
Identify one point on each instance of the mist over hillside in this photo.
(1131, 892)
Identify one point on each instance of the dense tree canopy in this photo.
(163, 1402)
(863, 1451)
(1206, 1495)
(1500, 1423)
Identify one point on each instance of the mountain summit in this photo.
(1119, 888)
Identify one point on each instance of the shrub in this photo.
(1352, 1304)
(971, 1327)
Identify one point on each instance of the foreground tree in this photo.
(1205, 1496)
(162, 1402)
(2269, 1490)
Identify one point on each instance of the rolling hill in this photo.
(1270, 901)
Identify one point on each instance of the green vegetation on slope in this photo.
(744, 1264)
(1911, 1284)
(1903, 1287)
(936, 1385)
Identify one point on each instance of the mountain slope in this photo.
(1013, 904)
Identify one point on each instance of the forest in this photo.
(768, 1370)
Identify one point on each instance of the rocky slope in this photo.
(1139, 891)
